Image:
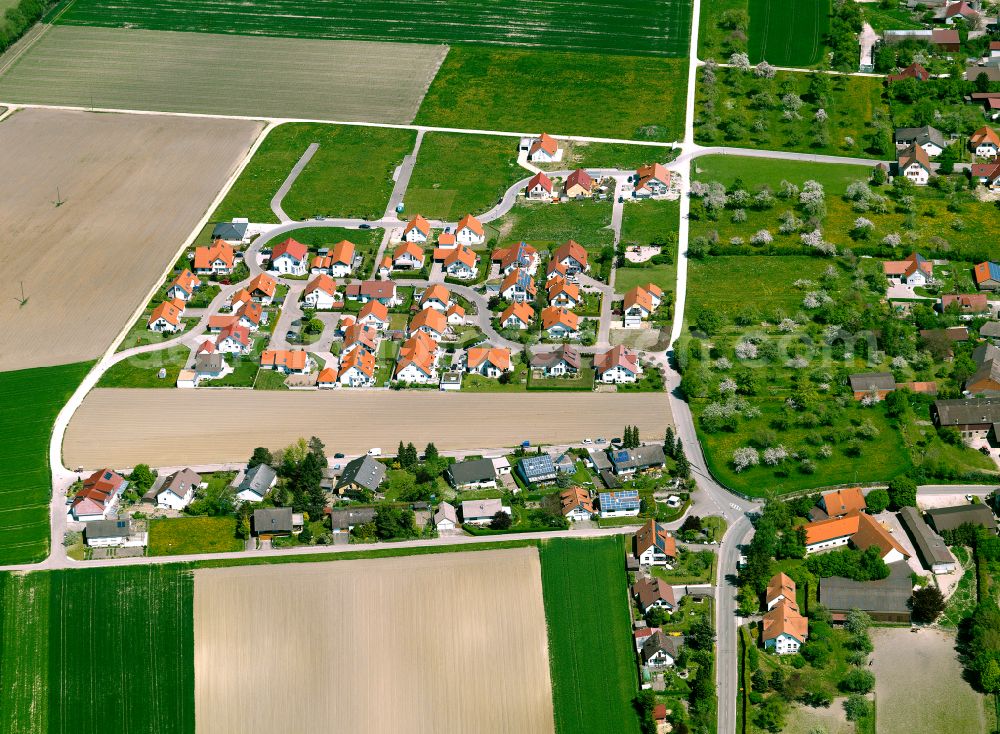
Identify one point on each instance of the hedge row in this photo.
(19, 19)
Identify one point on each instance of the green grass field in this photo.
(788, 34)
(99, 650)
(458, 174)
(658, 27)
(349, 176)
(960, 231)
(177, 536)
(594, 677)
(639, 98)
(25, 490)
(550, 225)
(607, 155)
(143, 370)
(649, 223)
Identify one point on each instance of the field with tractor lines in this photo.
(788, 34)
(94, 207)
(584, 587)
(441, 643)
(32, 399)
(656, 27)
(120, 427)
(24, 652)
(121, 68)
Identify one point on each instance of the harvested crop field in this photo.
(440, 643)
(918, 679)
(120, 427)
(132, 188)
(222, 74)
(626, 26)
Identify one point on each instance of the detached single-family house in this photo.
(619, 503)
(556, 269)
(572, 256)
(256, 483)
(437, 297)
(327, 378)
(216, 259)
(913, 271)
(985, 380)
(876, 384)
(286, 361)
(643, 458)
(481, 512)
(560, 323)
(660, 651)
(544, 149)
(785, 629)
(363, 474)
(576, 505)
(321, 293)
(914, 164)
(408, 256)
(98, 497)
(270, 522)
(637, 307)
(562, 293)
(357, 369)
(456, 315)
(487, 361)
(539, 187)
(234, 231)
(960, 9)
(780, 588)
(417, 361)
(653, 593)
(374, 315)
(517, 316)
(115, 534)
(927, 137)
(521, 255)
(841, 502)
(472, 474)
(182, 287)
(653, 545)
(262, 289)
(342, 259)
(860, 530)
(177, 490)
(234, 339)
(430, 321)
(974, 418)
(209, 366)
(462, 262)
(537, 469)
(984, 142)
(469, 231)
(290, 257)
(344, 521)
(578, 185)
(561, 361)
(166, 318)
(987, 174)
(383, 291)
(518, 286)
(417, 230)
(913, 71)
(618, 364)
(987, 275)
(652, 180)
(446, 518)
(967, 304)
(359, 336)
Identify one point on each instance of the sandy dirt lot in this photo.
(441, 643)
(918, 679)
(832, 720)
(133, 187)
(177, 427)
(132, 69)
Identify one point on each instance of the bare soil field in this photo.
(121, 427)
(132, 188)
(438, 643)
(831, 720)
(918, 679)
(222, 74)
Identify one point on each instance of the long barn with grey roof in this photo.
(932, 549)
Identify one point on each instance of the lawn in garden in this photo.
(143, 370)
(181, 535)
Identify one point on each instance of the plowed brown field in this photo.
(452, 643)
(132, 188)
(121, 428)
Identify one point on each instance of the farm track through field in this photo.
(628, 27)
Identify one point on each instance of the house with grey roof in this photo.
(990, 330)
(209, 366)
(256, 483)
(537, 469)
(115, 533)
(660, 650)
(363, 474)
(886, 600)
(271, 521)
(974, 418)
(927, 137)
(176, 490)
(951, 518)
(344, 521)
(234, 231)
(872, 383)
(643, 458)
(472, 474)
(932, 549)
(599, 459)
(481, 512)
(563, 360)
(446, 518)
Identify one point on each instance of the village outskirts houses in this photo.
(255, 483)
(417, 230)
(182, 287)
(216, 259)
(984, 142)
(290, 257)
(576, 505)
(408, 256)
(446, 518)
(544, 149)
(927, 137)
(462, 262)
(785, 630)
(517, 316)
(578, 185)
(115, 534)
(521, 255)
(469, 231)
(914, 163)
(987, 276)
(166, 317)
(437, 297)
(573, 257)
(559, 362)
(98, 498)
(287, 361)
(357, 369)
(361, 475)
(654, 593)
(915, 270)
(617, 365)
(175, 491)
(539, 187)
(472, 474)
(653, 545)
(651, 180)
(482, 512)
(320, 293)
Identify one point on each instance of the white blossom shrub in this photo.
(774, 456)
(741, 61)
(786, 326)
(746, 350)
(727, 386)
(892, 240)
(744, 458)
(723, 364)
(820, 115)
(898, 363)
(825, 451)
(764, 70)
(761, 237)
(798, 363)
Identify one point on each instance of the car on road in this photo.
(338, 455)
(375, 451)
(616, 441)
(364, 226)
(968, 498)
(587, 440)
(291, 336)
(601, 440)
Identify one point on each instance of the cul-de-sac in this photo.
(489, 366)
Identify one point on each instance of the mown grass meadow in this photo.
(594, 677)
